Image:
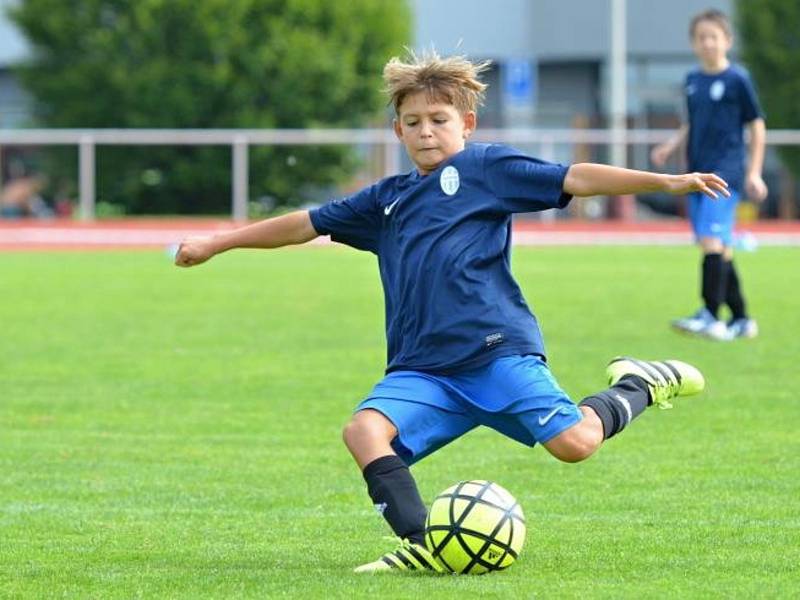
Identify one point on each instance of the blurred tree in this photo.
(209, 64)
(770, 42)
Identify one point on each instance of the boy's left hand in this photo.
(707, 183)
(755, 188)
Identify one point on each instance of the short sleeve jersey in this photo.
(719, 106)
(443, 244)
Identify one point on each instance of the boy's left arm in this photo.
(591, 179)
(754, 185)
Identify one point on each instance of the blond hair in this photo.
(719, 18)
(452, 80)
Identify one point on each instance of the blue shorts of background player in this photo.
(514, 395)
(713, 218)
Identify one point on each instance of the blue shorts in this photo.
(713, 218)
(515, 395)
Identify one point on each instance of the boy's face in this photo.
(710, 43)
(432, 132)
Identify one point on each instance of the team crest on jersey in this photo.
(717, 89)
(449, 180)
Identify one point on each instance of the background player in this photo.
(720, 100)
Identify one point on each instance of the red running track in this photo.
(162, 233)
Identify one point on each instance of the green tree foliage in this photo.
(770, 40)
(209, 64)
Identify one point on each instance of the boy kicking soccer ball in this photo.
(464, 348)
(720, 100)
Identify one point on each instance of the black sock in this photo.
(715, 275)
(620, 404)
(733, 294)
(395, 494)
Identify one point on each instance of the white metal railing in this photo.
(240, 141)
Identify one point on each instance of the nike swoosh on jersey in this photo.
(546, 419)
(387, 211)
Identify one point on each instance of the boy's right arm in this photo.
(292, 228)
(754, 183)
(661, 153)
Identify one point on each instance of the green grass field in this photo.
(176, 433)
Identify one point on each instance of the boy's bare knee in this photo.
(354, 431)
(711, 245)
(348, 432)
(366, 425)
(368, 436)
(576, 443)
(574, 453)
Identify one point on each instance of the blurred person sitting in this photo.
(20, 198)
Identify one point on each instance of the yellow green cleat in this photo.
(406, 557)
(665, 379)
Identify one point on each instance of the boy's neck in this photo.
(715, 67)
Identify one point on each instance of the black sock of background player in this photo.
(733, 295)
(715, 282)
(395, 494)
(620, 404)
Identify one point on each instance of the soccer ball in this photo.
(475, 527)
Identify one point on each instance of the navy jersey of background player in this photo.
(719, 106)
(443, 246)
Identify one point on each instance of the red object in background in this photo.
(64, 208)
(622, 208)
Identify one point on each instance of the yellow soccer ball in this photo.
(475, 527)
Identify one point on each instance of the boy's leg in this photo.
(635, 385)
(733, 293)
(605, 415)
(712, 222)
(740, 325)
(519, 397)
(406, 417)
(390, 484)
(714, 276)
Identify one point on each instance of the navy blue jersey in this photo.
(719, 106)
(443, 244)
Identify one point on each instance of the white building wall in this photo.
(549, 33)
(12, 45)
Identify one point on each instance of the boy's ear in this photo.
(730, 41)
(398, 131)
(470, 123)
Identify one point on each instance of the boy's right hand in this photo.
(755, 187)
(660, 154)
(194, 251)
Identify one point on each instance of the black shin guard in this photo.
(733, 294)
(620, 404)
(395, 494)
(715, 276)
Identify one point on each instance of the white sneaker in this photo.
(743, 328)
(695, 323)
(717, 331)
(703, 324)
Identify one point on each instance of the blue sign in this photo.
(519, 81)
